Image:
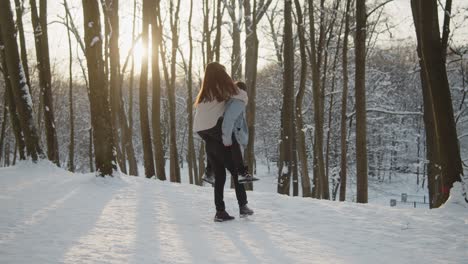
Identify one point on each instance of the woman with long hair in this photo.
(217, 88)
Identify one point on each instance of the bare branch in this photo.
(377, 7)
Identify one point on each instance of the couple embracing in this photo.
(220, 122)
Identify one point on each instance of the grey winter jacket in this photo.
(234, 122)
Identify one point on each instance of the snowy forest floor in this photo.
(49, 215)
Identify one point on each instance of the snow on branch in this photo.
(385, 111)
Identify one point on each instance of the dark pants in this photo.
(220, 159)
(237, 159)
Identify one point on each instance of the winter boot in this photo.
(209, 179)
(222, 216)
(208, 176)
(244, 211)
(245, 177)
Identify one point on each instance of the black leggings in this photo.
(221, 158)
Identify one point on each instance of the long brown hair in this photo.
(217, 84)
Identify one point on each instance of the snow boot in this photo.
(208, 178)
(246, 177)
(245, 211)
(222, 216)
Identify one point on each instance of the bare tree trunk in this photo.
(201, 161)
(219, 21)
(24, 54)
(144, 122)
(19, 88)
(330, 106)
(71, 146)
(443, 151)
(2, 132)
(274, 35)
(111, 16)
(156, 115)
(127, 126)
(7, 155)
(90, 150)
(39, 23)
(100, 112)
(191, 158)
(251, 57)
(236, 19)
(174, 156)
(317, 90)
(252, 18)
(287, 115)
(11, 105)
(344, 103)
(360, 95)
(300, 134)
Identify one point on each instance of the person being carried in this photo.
(217, 88)
(235, 134)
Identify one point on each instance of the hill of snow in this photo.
(49, 215)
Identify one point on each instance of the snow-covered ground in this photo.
(49, 215)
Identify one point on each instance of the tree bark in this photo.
(317, 90)
(156, 115)
(19, 88)
(24, 54)
(39, 23)
(360, 95)
(71, 146)
(111, 14)
(344, 105)
(284, 179)
(144, 121)
(191, 157)
(11, 105)
(2, 131)
(236, 63)
(100, 112)
(443, 153)
(174, 155)
(300, 134)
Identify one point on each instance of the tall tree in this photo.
(24, 54)
(112, 28)
(126, 125)
(235, 12)
(39, 23)
(443, 152)
(321, 190)
(144, 121)
(360, 95)
(287, 114)
(100, 112)
(71, 147)
(10, 104)
(156, 115)
(300, 137)
(174, 155)
(344, 103)
(332, 97)
(191, 157)
(253, 15)
(17, 80)
(3, 129)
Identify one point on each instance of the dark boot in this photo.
(245, 211)
(222, 216)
